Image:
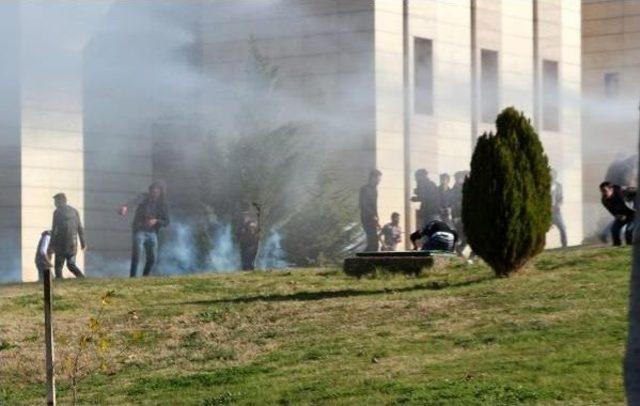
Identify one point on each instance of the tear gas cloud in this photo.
(141, 63)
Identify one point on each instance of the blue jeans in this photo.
(146, 241)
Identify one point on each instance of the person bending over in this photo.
(614, 200)
(435, 236)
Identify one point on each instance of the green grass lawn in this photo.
(552, 334)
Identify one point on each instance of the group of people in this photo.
(439, 216)
(439, 219)
(151, 214)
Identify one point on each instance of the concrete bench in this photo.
(406, 262)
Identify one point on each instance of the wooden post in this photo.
(48, 337)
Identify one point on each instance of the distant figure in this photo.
(248, 236)
(391, 233)
(436, 236)
(369, 210)
(556, 202)
(151, 215)
(43, 254)
(444, 198)
(614, 200)
(65, 232)
(426, 193)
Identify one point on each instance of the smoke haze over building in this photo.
(96, 94)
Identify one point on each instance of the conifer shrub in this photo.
(507, 196)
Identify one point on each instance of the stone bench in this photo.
(406, 262)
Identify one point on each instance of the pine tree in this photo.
(507, 196)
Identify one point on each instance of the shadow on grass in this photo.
(334, 294)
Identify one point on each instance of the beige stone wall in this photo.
(10, 224)
(51, 133)
(560, 41)
(443, 141)
(610, 45)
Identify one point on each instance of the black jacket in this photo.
(66, 230)
(432, 228)
(150, 209)
(368, 204)
(616, 203)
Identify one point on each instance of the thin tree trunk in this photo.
(632, 361)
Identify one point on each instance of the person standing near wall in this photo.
(556, 203)
(444, 198)
(65, 232)
(369, 210)
(426, 193)
(151, 215)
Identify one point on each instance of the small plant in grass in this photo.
(507, 197)
(96, 348)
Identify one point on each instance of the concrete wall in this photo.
(610, 45)
(559, 40)
(117, 142)
(443, 141)
(10, 157)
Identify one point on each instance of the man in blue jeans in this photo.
(151, 215)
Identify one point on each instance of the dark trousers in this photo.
(371, 231)
(248, 257)
(71, 265)
(559, 222)
(147, 242)
(616, 227)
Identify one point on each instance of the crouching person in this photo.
(614, 199)
(435, 236)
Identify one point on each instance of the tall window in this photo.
(611, 85)
(489, 85)
(550, 96)
(423, 76)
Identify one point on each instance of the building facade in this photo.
(422, 78)
(611, 94)
(389, 84)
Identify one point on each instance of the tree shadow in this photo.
(334, 294)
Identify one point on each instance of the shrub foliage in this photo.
(507, 196)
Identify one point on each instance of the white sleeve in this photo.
(44, 245)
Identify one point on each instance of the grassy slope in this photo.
(552, 334)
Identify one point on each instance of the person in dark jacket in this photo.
(556, 201)
(614, 200)
(151, 215)
(65, 232)
(249, 242)
(426, 193)
(436, 236)
(369, 210)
